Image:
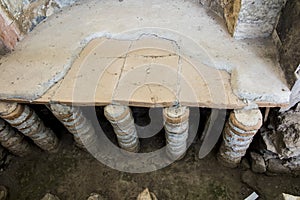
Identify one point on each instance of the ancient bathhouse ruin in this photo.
(236, 58)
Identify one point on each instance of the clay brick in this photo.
(9, 32)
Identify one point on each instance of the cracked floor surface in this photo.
(45, 58)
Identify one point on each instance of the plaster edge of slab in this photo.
(282, 97)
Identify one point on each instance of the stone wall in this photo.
(9, 32)
(277, 146)
(281, 137)
(17, 17)
(288, 30)
(214, 5)
(252, 18)
(247, 18)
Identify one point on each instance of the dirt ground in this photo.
(72, 173)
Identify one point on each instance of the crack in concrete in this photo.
(178, 86)
(138, 56)
(149, 56)
(121, 72)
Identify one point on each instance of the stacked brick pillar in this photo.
(122, 121)
(238, 134)
(176, 124)
(76, 123)
(24, 119)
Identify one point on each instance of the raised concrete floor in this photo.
(142, 53)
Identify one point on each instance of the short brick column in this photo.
(238, 134)
(122, 121)
(24, 119)
(176, 124)
(75, 122)
(13, 141)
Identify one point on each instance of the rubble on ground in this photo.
(146, 195)
(258, 164)
(281, 141)
(288, 197)
(3, 192)
(2, 156)
(95, 196)
(50, 196)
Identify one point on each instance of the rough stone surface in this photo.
(15, 7)
(289, 197)
(285, 140)
(252, 19)
(9, 32)
(3, 193)
(49, 196)
(35, 13)
(3, 154)
(293, 164)
(269, 137)
(25, 15)
(245, 163)
(289, 128)
(63, 3)
(214, 5)
(276, 166)
(288, 30)
(258, 164)
(267, 155)
(281, 143)
(95, 196)
(231, 14)
(28, 13)
(146, 195)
